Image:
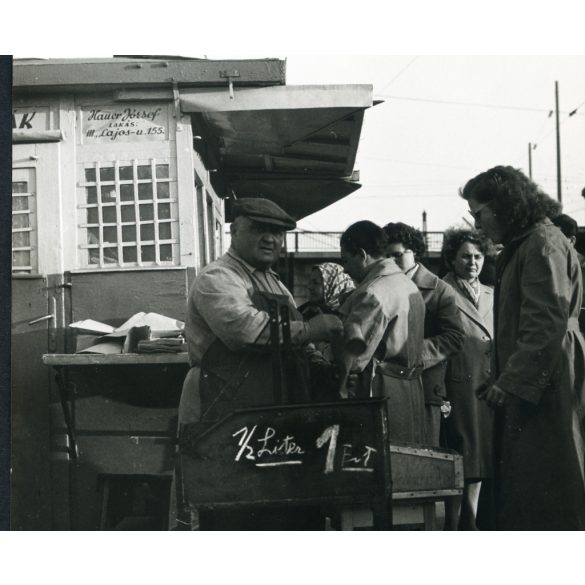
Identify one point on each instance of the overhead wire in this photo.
(471, 104)
(400, 73)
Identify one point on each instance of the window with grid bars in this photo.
(24, 223)
(130, 214)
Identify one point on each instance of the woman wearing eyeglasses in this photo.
(444, 334)
(538, 384)
(468, 428)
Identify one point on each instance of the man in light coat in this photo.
(388, 309)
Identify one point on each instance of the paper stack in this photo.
(137, 334)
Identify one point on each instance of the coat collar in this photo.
(525, 233)
(381, 267)
(251, 269)
(424, 278)
(511, 247)
(480, 315)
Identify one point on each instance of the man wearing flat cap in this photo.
(227, 326)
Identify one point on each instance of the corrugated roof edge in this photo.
(127, 71)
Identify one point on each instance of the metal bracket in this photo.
(230, 75)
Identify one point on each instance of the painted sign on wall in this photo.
(124, 123)
(31, 118)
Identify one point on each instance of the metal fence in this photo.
(302, 241)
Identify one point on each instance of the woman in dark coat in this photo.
(538, 389)
(468, 428)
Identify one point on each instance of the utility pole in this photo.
(424, 230)
(559, 195)
(530, 159)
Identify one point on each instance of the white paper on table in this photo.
(155, 321)
(91, 326)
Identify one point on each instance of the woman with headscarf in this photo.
(538, 386)
(468, 428)
(328, 287)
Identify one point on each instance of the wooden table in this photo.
(119, 432)
(115, 359)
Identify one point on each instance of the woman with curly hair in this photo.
(538, 383)
(468, 428)
(444, 334)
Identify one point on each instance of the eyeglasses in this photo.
(398, 255)
(477, 213)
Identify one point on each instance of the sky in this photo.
(471, 93)
(444, 119)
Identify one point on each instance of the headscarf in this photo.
(336, 284)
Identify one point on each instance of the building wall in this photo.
(88, 172)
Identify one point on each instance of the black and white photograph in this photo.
(267, 292)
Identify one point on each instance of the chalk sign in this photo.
(306, 453)
(125, 123)
(266, 448)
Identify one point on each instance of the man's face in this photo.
(259, 244)
(354, 265)
(402, 256)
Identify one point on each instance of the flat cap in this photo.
(263, 211)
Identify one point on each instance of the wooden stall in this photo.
(334, 456)
(123, 174)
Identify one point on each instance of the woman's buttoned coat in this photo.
(540, 363)
(468, 429)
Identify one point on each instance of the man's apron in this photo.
(231, 380)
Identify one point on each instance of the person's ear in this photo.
(573, 240)
(362, 254)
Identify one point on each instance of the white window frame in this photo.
(102, 246)
(31, 211)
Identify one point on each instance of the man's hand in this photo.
(324, 327)
(493, 395)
